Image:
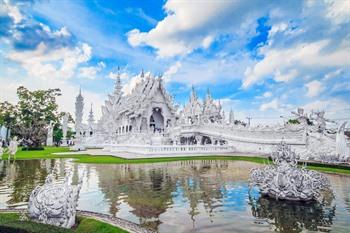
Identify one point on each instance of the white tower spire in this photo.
(79, 106)
(118, 86)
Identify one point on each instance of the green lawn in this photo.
(101, 159)
(10, 223)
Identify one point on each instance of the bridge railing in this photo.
(170, 149)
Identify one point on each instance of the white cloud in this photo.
(333, 74)
(171, 71)
(55, 63)
(12, 11)
(338, 11)
(273, 104)
(131, 84)
(267, 94)
(304, 55)
(90, 72)
(314, 88)
(189, 25)
(285, 77)
(62, 32)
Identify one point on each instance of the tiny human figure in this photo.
(12, 149)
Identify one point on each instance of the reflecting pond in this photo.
(187, 196)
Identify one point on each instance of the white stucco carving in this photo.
(54, 203)
(284, 180)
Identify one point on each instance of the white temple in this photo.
(146, 121)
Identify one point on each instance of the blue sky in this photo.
(260, 58)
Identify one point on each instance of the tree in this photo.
(8, 115)
(32, 114)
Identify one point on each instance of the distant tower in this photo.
(91, 121)
(231, 117)
(118, 85)
(79, 106)
(223, 117)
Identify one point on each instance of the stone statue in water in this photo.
(53, 203)
(284, 180)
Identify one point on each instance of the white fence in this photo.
(171, 149)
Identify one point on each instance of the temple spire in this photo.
(91, 117)
(193, 93)
(142, 73)
(118, 86)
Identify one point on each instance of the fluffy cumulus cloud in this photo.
(46, 63)
(280, 63)
(90, 72)
(314, 88)
(190, 25)
(273, 104)
(11, 10)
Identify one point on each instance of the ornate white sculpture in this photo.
(13, 147)
(284, 180)
(55, 204)
(65, 128)
(342, 149)
(49, 139)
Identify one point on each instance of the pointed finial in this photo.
(142, 73)
(79, 89)
(208, 91)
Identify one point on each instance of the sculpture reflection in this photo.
(289, 216)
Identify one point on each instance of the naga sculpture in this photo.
(284, 180)
(53, 203)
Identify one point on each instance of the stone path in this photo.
(114, 221)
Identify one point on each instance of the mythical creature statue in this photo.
(302, 117)
(284, 180)
(320, 120)
(53, 203)
(342, 149)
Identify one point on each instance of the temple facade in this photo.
(147, 121)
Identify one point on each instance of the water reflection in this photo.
(187, 196)
(286, 216)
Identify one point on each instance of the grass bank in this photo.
(10, 223)
(101, 159)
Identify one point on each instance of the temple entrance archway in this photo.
(157, 120)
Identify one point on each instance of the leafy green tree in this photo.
(293, 121)
(8, 115)
(30, 117)
(57, 135)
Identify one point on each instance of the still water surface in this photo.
(189, 196)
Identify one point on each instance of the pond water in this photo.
(188, 196)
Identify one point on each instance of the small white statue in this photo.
(342, 149)
(13, 147)
(65, 128)
(55, 204)
(49, 140)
